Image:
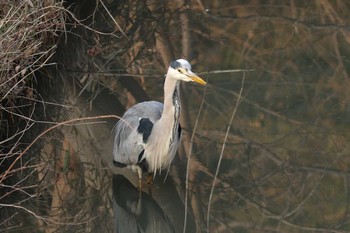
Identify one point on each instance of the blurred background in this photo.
(279, 68)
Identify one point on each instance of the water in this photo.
(285, 162)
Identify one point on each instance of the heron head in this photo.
(180, 69)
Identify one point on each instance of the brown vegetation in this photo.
(28, 36)
(284, 161)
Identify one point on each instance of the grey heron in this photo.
(148, 135)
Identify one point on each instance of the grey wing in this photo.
(133, 130)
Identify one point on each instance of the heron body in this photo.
(148, 135)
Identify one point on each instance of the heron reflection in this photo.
(135, 211)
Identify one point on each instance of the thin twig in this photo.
(225, 71)
(222, 152)
(119, 28)
(189, 158)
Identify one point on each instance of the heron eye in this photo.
(180, 70)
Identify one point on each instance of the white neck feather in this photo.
(165, 128)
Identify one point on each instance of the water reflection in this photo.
(136, 211)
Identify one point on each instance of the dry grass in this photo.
(28, 37)
(28, 32)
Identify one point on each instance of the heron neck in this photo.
(166, 130)
(171, 98)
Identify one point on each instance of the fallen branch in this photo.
(48, 130)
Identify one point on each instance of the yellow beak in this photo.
(195, 78)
